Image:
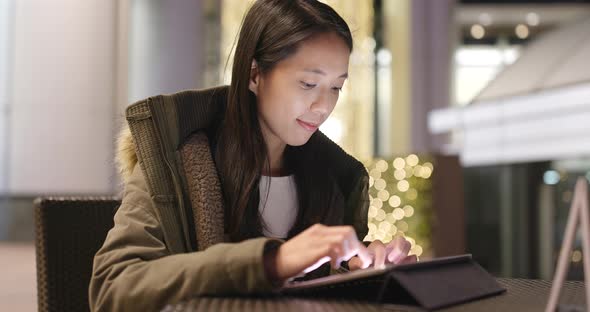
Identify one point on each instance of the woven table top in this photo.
(522, 295)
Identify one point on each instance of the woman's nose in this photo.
(323, 104)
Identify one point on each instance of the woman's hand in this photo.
(395, 252)
(313, 247)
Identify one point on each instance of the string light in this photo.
(399, 163)
(426, 172)
(417, 171)
(372, 228)
(409, 171)
(383, 195)
(416, 250)
(393, 230)
(380, 184)
(381, 165)
(372, 212)
(380, 215)
(395, 219)
(403, 185)
(384, 226)
(398, 213)
(399, 174)
(395, 201)
(390, 218)
(412, 160)
(375, 174)
(408, 211)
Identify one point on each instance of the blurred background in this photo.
(472, 116)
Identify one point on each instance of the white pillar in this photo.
(63, 99)
(6, 43)
(166, 44)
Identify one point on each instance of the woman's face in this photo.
(299, 93)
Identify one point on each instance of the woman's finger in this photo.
(396, 241)
(343, 249)
(316, 265)
(339, 243)
(401, 248)
(364, 256)
(406, 246)
(335, 252)
(352, 246)
(379, 252)
(336, 259)
(393, 250)
(354, 263)
(409, 259)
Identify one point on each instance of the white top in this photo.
(280, 210)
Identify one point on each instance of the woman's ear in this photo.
(254, 78)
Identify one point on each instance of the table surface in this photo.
(522, 295)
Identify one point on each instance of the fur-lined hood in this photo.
(206, 107)
(125, 156)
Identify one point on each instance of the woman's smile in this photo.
(308, 126)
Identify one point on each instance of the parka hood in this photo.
(125, 157)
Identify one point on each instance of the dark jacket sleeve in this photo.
(357, 206)
(133, 271)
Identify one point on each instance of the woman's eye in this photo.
(337, 89)
(307, 86)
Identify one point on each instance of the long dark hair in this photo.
(271, 31)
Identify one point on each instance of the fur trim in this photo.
(126, 157)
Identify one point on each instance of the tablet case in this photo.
(430, 284)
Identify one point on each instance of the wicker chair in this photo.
(68, 232)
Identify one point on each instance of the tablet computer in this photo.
(431, 284)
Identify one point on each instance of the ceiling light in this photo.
(477, 31)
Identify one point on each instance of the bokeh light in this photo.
(400, 193)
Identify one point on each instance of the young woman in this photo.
(292, 200)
